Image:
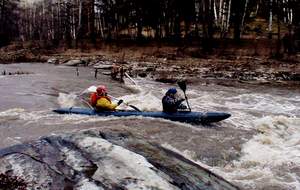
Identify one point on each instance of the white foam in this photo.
(134, 88)
(77, 119)
(145, 101)
(12, 112)
(269, 155)
(11, 141)
(277, 142)
(34, 116)
(262, 102)
(66, 100)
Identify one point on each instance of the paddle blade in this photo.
(88, 90)
(182, 85)
(135, 108)
(92, 89)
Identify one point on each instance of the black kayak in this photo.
(181, 116)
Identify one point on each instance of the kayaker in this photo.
(170, 103)
(101, 102)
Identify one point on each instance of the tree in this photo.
(9, 17)
(63, 22)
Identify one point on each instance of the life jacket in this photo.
(104, 104)
(169, 104)
(93, 99)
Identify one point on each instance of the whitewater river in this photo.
(257, 148)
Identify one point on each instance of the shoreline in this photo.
(169, 63)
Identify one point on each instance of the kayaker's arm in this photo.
(178, 102)
(169, 101)
(171, 104)
(105, 104)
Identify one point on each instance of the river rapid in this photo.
(257, 148)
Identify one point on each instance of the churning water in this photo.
(268, 159)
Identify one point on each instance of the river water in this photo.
(257, 148)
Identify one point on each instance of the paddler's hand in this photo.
(183, 107)
(181, 100)
(120, 102)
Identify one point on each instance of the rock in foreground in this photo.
(104, 160)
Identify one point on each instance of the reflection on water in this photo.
(270, 158)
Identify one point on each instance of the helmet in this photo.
(101, 90)
(171, 91)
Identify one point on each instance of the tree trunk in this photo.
(278, 47)
(92, 21)
(79, 29)
(239, 8)
(270, 19)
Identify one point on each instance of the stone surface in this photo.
(104, 160)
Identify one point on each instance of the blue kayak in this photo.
(181, 116)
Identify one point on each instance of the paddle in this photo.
(86, 102)
(182, 86)
(94, 88)
(132, 106)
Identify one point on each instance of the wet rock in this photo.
(282, 75)
(143, 75)
(104, 160)
(16, 73)
(171, 56)
(166, 80)
(150, 69)
(176, 68)
(75, 62)
(11, 182)
(295, 76)
(105, 65)
(53, 61)
(106, 73)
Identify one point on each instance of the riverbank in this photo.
(170, 63)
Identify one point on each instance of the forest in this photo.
(69, 23)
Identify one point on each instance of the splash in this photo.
(134, 88)
(66, 100)
(263, 102)
(145, 101)
(143, 97)
(279, 135)
(12, 112)
(271, 158)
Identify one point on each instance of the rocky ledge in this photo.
(103, 160)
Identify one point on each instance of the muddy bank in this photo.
(168, 63)
(104, 160)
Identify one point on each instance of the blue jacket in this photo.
(171, 104)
